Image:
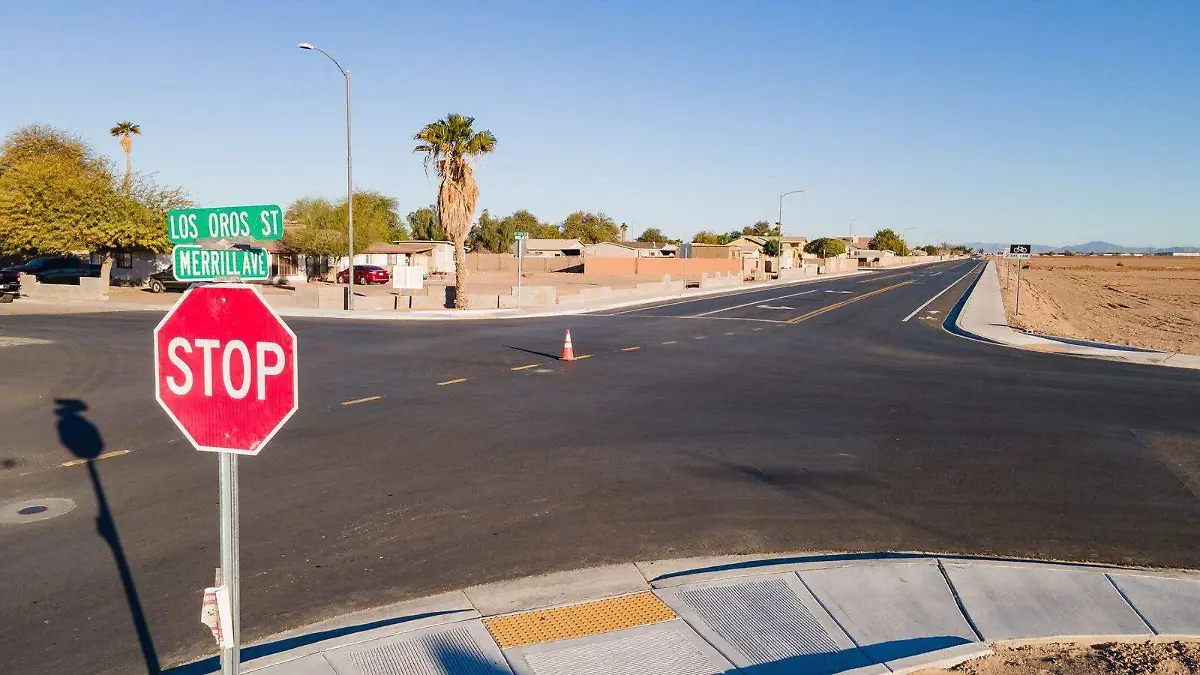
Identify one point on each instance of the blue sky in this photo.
(1055, 122)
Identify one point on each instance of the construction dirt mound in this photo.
(1106, 658)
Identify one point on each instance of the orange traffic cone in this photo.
(568, 349)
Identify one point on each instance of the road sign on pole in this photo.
(225, 370)
(262, 222)
(1020, 251)
(192, 263)
(522, 244)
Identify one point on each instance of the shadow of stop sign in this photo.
(225, 368)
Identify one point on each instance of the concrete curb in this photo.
(883, 612)
(982, 317)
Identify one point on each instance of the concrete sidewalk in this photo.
(982, 316)
(809, 613)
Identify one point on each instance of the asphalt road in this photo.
(805, 417)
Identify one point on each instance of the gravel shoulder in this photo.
(1067, 658)
(1149, 302)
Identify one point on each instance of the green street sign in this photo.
(193, 263)
(263, 222)
(521, 235)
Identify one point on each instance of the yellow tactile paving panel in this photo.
(589, 618)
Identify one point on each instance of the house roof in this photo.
(552, 244)
(749, 241)
(655, 245)
(621, 244)
(407, 247)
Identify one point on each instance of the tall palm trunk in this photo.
(460, 274)
(127, 146)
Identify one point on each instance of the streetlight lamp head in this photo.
(305, 45)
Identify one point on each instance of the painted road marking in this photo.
(837, 305)
(699, 337)
(890, 276)
(362, 400)
(461, 379)
(114, 453)
(839, 291)
(756, 302)
(583, 356)
(731, 333)
(670, 342)
(774, 307)
(532, 365)
(759, 328)
(939, 293)
(630, 349)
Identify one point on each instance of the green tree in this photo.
(425, 225)
(57, 196)
(450, 146)
(771, 247)
(491, 234)
(590, 228)
(706, 237)
(931, 249)
(524, 221)
(825, 247)
(126, 131)
(888, 240)
(653, 235)
(319, 228)
(761, 229)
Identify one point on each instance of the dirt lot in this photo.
(1146, 658)
(1151, 302)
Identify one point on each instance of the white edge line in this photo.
(755, 302)
(939, 294)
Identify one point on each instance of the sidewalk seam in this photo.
(853, 641)
(958, 601)
(1130, 603)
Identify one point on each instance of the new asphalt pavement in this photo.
(435, 455)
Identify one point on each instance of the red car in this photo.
(366, 274)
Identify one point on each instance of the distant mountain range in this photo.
(1089, 247)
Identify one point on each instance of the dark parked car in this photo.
(10, 277)
(366, 274)
(69, 275)
(165, 281)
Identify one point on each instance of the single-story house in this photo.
(610, 249)
(866, 256)
(716, 251)
(131, 268)
(857, 242)
(653, 249)
(434, 257)
(551, 248)
(750, 245)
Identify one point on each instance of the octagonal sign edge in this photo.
(219, 369)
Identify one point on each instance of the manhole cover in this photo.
(32, 510)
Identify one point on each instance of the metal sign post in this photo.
(1020, 252)
(521, 238)
(230, 560)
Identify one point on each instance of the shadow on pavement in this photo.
(213, 664)
(553, 357)
(83, 439)
(454, 659)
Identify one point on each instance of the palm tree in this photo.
(450, 146)
(126, 131)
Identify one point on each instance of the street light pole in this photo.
(779, 237)
(349, 180)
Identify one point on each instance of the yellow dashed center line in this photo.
(671, 342)
(362, 400)
(532, 365)
(583, 356)
(461, 379)
(114, 453)
(630, 349)
(836, 305)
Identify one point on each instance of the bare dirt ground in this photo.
(1151, 302)
(1144, 658)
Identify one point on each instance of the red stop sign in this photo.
(225, 368)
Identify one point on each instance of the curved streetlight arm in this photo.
(779, 237)
(311, 47)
